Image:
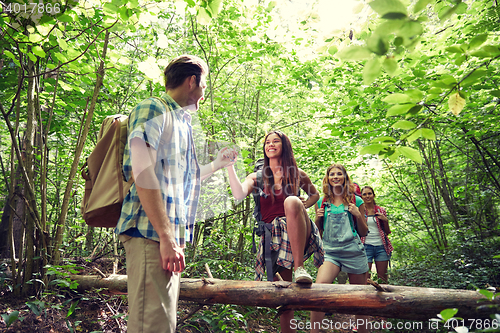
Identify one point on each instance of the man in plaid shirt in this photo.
(158, 213)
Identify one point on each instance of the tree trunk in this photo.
(397, 302)
(78, 151)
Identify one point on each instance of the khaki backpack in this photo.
(105, 186)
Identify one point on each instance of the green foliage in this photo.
(11, 317)
(467, 263)
(61, 275)
(230, 318)
(37, 307)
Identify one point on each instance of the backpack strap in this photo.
(323, 205)
(352, 218)
(261, 227)
(257, 193)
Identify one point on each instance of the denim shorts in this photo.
(350, 258)
(376, 252)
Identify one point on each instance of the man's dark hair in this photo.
(182, 67)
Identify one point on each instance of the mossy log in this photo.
(395, 302)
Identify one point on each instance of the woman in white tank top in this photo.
(378, 247)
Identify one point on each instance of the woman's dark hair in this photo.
(370, 188)
(348, 186)
(182, 67)
(289, 166)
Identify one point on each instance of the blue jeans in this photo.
(376, 253)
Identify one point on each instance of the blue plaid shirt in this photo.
(169, 132)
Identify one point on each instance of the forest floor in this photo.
(101, 311)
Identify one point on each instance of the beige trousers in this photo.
(153, 293)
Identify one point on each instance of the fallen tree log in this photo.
(396, 302)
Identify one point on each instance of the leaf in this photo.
(72, 309)
(473, 77)
(215, 6)
(203, 17)
(395, 156)
(10, 318)
(65, 18)
(454, 49)
(354, 53)
(410, 153)
(32, 57)
(60, 57)
(404, 124)
(125, 13)
(478, 40)
(383, 7)
(461, 8)
(109, 9)
(34, 308)
(495, 93)
(414, 135)
(371, 71)
(397, 98)
(62, 43)
(487, 51)
(410, 29)
(421, 4)
(65, 86)
(428, 134)
(460, 59)
(414, 110)
(446, 12)
(9, 54)
(389, 27)
(35, 38)
(387, 139)
(38, 51)
(490, 295)
(332, 49)
(377, 45)
(456, 103)
(399, 109)
(372, 149)
(415, 95)
(447, 314)
(390, 65)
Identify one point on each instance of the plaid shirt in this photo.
(385, 240)
(280, 242)
(169, 132)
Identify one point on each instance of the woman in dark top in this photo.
(294, 236)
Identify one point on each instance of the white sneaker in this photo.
(301, 276)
